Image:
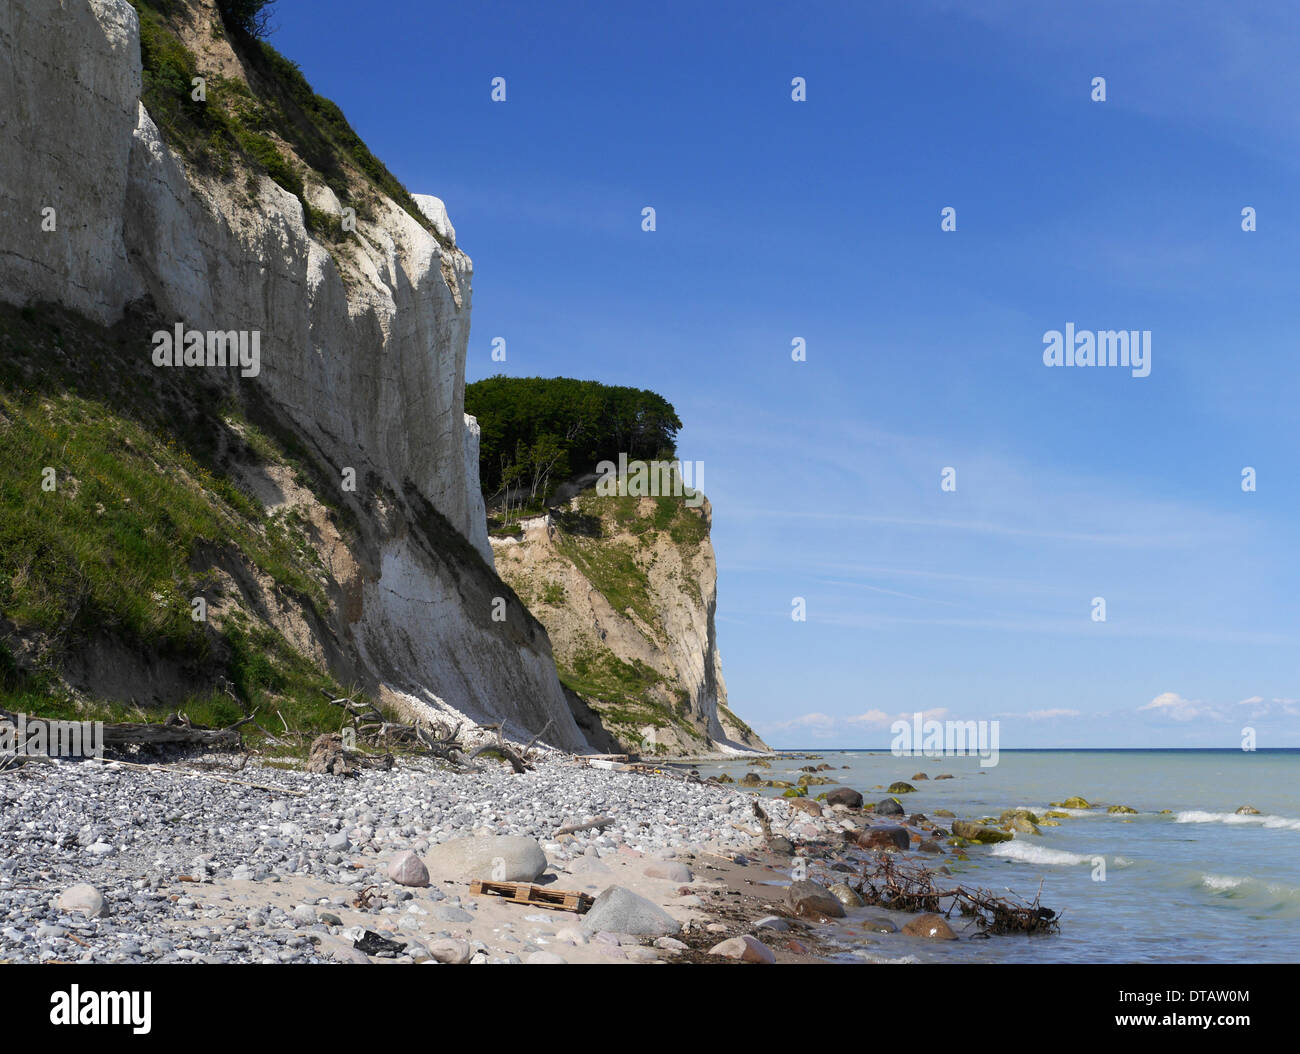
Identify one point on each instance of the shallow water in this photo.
(1200, 884)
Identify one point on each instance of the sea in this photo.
(1185, 879)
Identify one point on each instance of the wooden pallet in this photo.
(532, 896)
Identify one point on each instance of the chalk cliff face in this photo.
(363, 343)
(627, 589)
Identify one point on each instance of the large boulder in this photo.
(844, 796)
(811, 900)
(932, 927)
(974, 832)
(407, 869)
(885, 837)
(496, 858)
(888, 807)
(619, 910)
(83, 899)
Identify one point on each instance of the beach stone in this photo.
(465, 859)
(341, 951)
(623, 911)
(932, 927)
(772, 922)
(888, 807)
(1010, 814)
(879, 924)
(1245, 810)
(900, 787)
(82, 898)
(920, 776)
(407, 869)
(450, 950)
(844, 796)
(1074, 802)
(974, 832)
(783, 846)
(944, 776)
(545, 959)
(670, 870)
(809, 899)
(670, 944)
(885, 837)
(1021, 825)
(929, 845)
(846, 896)
(944, 812)
(1123, 809)
(745, 948)
(806, 805)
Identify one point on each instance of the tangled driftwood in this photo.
(911, 887)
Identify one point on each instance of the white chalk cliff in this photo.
(363, 343)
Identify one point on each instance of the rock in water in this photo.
(407, 869)
(494, 858)
(1121, 809)
(619, 910)
(846, 895)
(844, 796)
(932, 927)
(888, 807)
(1245, 810)
(82, 898)
(901, 788)
(746, 948)
(974, 832)
(811, 900)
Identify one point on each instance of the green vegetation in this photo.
(613, 569)
(235, 122)
(145, 507)
(538, 432)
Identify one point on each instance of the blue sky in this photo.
(821, 220)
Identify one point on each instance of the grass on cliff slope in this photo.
(627, 696)
(141, 507)
(236, 123)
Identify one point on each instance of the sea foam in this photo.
(1276, 822)
(1037, 854)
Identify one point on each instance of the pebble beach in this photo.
(105, 862)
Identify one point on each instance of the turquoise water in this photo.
(1198, 885)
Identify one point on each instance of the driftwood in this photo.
(501, 749)
(369, 722)
(912, 887)
(177, 730)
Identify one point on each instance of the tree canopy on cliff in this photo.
(539, 431)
